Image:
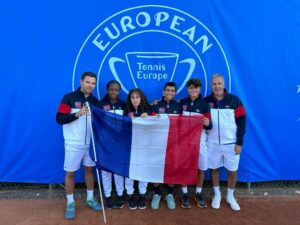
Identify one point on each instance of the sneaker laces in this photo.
(71, 205)
(92, 201)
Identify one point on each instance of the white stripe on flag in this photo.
(148, 148)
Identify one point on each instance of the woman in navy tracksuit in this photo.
(112, 103)
(137, 105)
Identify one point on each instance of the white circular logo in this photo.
(149, 45)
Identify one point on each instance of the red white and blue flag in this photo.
(161, 149)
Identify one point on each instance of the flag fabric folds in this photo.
(162, 149)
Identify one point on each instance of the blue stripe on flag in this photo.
(112, 136)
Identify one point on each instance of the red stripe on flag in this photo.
(239, 111)
(64, 108)
(182, 154)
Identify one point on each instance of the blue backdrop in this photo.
(45, 46)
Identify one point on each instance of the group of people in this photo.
(224, 122)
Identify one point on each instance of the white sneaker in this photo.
(215, 204)
(233, 204)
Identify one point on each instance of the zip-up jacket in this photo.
(139, 112)
(76, 130)
(117, 107)
(229, 120)
(164, 107)
(200, 107)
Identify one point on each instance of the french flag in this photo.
(162, 149)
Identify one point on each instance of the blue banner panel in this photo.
(46, 46)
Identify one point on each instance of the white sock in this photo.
(217, 190)
(230, 193)
(90, 194)
(184, 190)
(70, 198)
(198, 190)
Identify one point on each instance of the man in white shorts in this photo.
(225, 140)
(73, 115)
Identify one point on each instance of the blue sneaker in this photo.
(70, 211)
(92, 203)
(170, 201)
(155, 201)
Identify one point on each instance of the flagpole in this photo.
(97, 171)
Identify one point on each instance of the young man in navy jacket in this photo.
(195, 105)
(166, 105)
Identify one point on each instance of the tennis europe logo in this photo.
(149, 45)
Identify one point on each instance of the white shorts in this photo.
(203, 158)
(222, 155)
(74, 155)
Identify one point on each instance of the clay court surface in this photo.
(255, 210)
